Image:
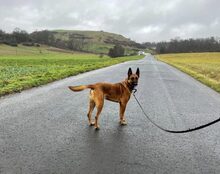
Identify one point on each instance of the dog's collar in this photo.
(129, 87)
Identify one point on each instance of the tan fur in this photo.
(118, 92)
(78, 88)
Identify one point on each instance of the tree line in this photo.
(17, 36)
(46, 37)
(21, 36)
(185, 46)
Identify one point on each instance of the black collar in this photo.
(131, 87)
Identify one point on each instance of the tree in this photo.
(116, 51)
(20, 35)
(2, 36)
(43, 37)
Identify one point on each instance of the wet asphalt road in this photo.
(44, 130)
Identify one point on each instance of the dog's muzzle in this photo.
(134, 84)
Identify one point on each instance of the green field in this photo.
(25, 67)
(204, 67)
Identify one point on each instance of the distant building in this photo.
(217, 39)
(141, 53)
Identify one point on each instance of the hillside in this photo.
(22, 50)
(87, 41)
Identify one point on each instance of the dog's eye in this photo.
(132, 78)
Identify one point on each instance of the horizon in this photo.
(176, 38)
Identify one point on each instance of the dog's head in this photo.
(133, 78)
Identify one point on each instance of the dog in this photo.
(118, 92)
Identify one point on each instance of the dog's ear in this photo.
(138, 72)
(129, 72)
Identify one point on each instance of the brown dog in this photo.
(118, 92)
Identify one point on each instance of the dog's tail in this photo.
(80, 88)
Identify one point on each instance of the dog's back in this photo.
(104, 87)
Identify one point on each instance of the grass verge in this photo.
(205, 67)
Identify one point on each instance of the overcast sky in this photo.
(140, 20)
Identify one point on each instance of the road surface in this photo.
(44, 130)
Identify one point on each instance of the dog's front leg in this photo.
(122, 111)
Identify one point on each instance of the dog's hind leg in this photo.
(99, 102)
(91, 108)
(99, 109)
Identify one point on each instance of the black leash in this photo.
(173, 131)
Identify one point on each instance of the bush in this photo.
(133, 54)
(28, 44)
(13, 44)
(116, 51)
(101, 55)
(37, 45)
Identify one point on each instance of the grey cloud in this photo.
(140, 20)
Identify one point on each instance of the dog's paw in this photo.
(97, 128)
(92, 123)
(123, 122)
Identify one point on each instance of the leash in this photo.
(172, 131)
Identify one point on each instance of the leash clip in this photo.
(134, 91)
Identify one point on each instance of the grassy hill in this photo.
(88, 41)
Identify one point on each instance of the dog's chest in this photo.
(112, 98)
